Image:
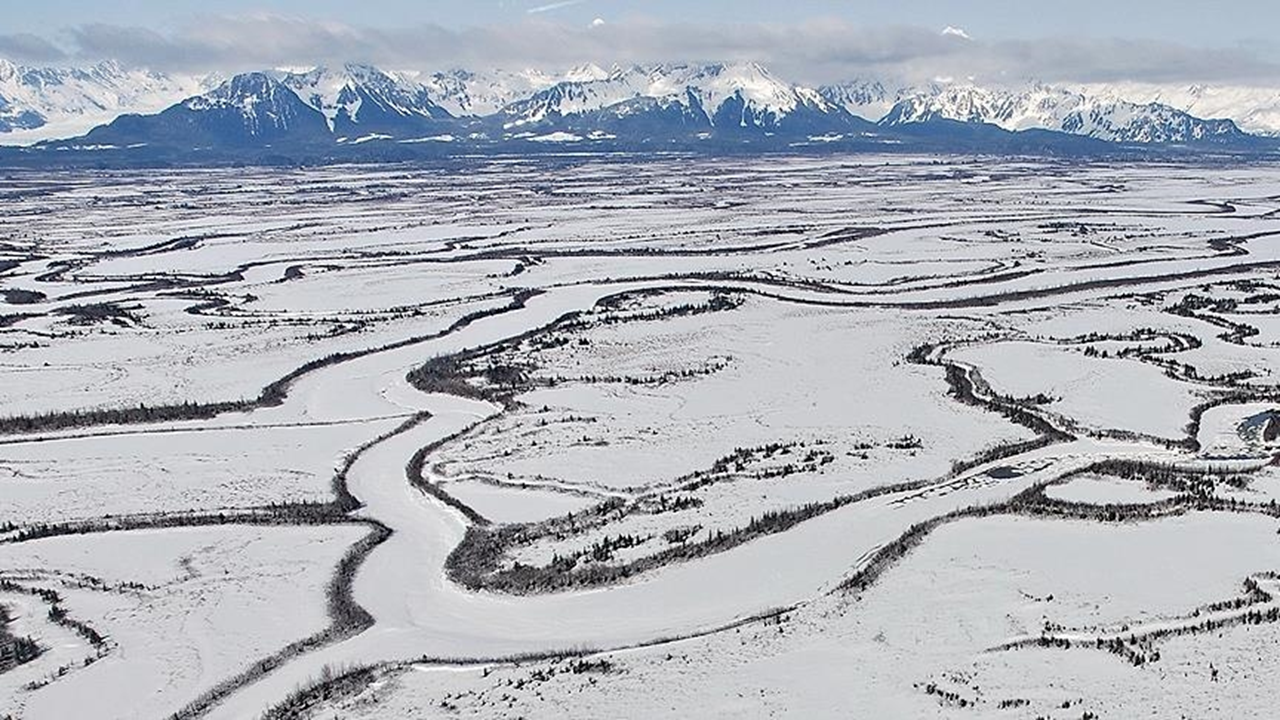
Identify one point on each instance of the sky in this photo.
(811, 40)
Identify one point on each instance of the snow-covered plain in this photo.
(615, 438)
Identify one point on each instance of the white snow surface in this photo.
(700, 346)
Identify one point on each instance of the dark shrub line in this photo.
(417, 464)
(272, 514)
(272, 395)
(58, 615)
(347, 619)
(1138, 648)
(346, 684)
(450, 374)
(477, 561)
(1033, 503)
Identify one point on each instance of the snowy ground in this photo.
(881, 437)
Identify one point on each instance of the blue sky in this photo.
(821, 39)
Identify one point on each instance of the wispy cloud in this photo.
(25, 47)
(811, 52)
(553, 6)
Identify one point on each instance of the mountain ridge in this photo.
(654, 105)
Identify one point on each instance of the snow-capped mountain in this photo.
(1062, 110)
(869, 99)
(465, 93)
(1254, 109)
(726, 97)
(252, 109)
(38, 103)
(403, 114)
(363, 99)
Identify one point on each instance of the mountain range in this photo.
(354, 111)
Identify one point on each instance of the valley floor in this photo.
(863, 437)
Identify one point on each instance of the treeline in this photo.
(272, 395)
(273, 514)
(143, 413)
(303, 702)
(1198, 307)
(720, 301)
(346, 619)
(417, 464)
(505, 377)
(665, 378)
(1180, 342)
(1033, 502)
(483, 549)
(964, 385)
(340, 684)
(1139, 649)
(344, 502)
(58, 615)
(476, 562)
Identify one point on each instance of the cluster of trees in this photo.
(741, 459)
(946, 697)
(1253, 595)
(57, 614)
(446, 374)
(1200, 308)
(16, 296)
(581, 666)
(664, 503)
(1199, 482)
(14, 650)
(1077, 229)
(906, 442)
(613, 307)
(305, 700)
(98, 313)
(998, 452)
(710, 367)
(602, 550)
(414, 473)
(680, 535)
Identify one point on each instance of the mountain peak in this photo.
(587, 73)
(246, 89)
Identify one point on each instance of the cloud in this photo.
(553, 6)
(28, 48)
(950, 31)
(810, 52)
